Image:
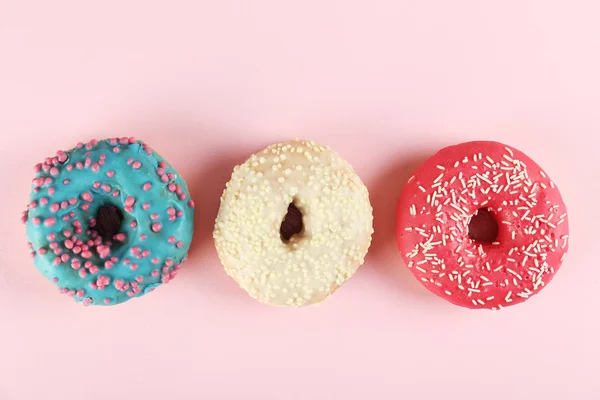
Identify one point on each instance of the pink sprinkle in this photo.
(96, 185)
(172, 187)
(65, 257)
(114, 259)
(80, 293)
(54, 161)
(62, 156)
(133, 224)
(134, 267)
(162, 164)
(51, 236)
(156, 227)
(42, 251)
(55, 207)
(43, 201)
(142, 237)
(68, 244)
(191, 203)
(154, 216)
(116, 149)
(160, 171)
(85, 206)
(57, 261)
(169, 263)
(108, 264)
(110, 173)
(129, 201)
(95, 167)
(64, 205)
(79, 165)
(172, 239)
(93, 269)
(179, 244)
(77, 223)
(180, 213)
(33, 204)
(87, 301)
(134, 250)
(93, 285)
(53, 171)
(115, 193)
(55, 280)
(130, 293)
(129, 161)
(106, 188)
(103, 251)
(82, 272)
(128, 209)
(66, 182)
(119, 284)
(50, 221)
(119, 237)
(37, 168)
(67, 233)
(70, 167)
(77, 249)
(172, 175)
(72, 201)
(182, 196)
(147, 186)
(86, 254)
(103, 280)
(47, 181)
(155, 260)
(171, 211)
(140, 279)
(86, 196)
(178, 190)
(146, 206)
(145, 253)
(124, 140)
(164, 178)
(137, 165)
(38, 181)
(155, 273)
(126, 261)
(32, 254)
(165, 269)
(88, 162)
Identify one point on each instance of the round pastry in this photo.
(482, 225)
(295, 222)
(108, 221)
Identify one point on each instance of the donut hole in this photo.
(108, 221)
(291, 224)
(483, 227)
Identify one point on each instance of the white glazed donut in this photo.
(295, 223)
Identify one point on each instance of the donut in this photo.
(481, 225)
(295, 223)
(108, 221)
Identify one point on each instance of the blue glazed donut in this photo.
(108, 221)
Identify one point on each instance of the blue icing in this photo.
(146, 258)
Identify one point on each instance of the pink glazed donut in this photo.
(481, 225)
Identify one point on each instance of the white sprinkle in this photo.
(440, 167)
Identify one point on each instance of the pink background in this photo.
(385, 83)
